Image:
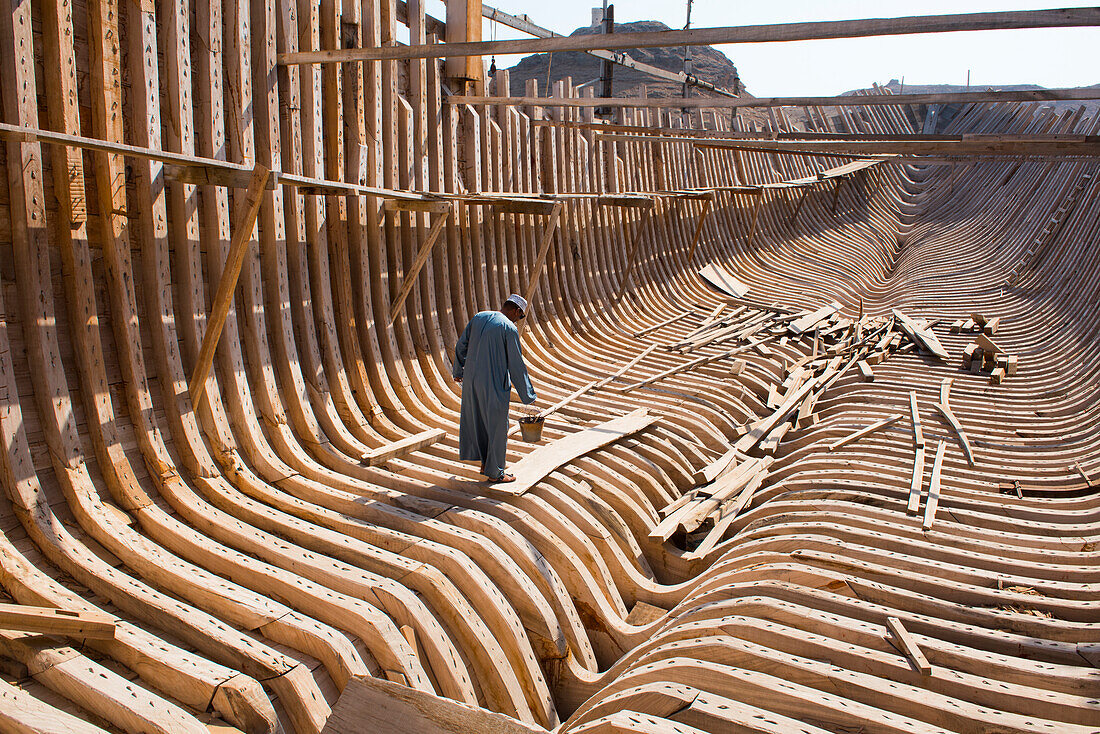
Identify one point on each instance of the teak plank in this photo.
(917, 481)
(724, 281)
(914, 413)
(536, 465)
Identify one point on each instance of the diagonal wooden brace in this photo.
(707, 203)
(419, 260)
(544, 250)
(632, 256)
(223, 298)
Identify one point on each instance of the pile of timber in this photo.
(984, 355)
(704, 514)
(835, 346)
(977, 323)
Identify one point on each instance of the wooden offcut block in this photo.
(51, 621)
(968, 354)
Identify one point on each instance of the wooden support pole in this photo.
(463, 29)
(418, 261)
(544, 250)
(707, 204)
(1055, 18)
(223, 298)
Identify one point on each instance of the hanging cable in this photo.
(493, 61)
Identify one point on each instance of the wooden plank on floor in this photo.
(373, 704)
(914, 413)
(917, 482)
(532, 468)
(923, 335)
(724, 281)
(811, 320)
(865, 431)
(934, 488)
(901, 639)
(407, 445)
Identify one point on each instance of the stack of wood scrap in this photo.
(976, 323)
(707, 512)
(835, 346)
(983, 354)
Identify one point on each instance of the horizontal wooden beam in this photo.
(206, 171)
(1055, 18)
(1068, 94)
(423, 206)
(525, 25)
(626, 200)
(514, 204)
(1059, 145)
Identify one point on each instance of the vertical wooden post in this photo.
(238, 247)
(464, 24)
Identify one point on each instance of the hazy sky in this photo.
(1055, 57)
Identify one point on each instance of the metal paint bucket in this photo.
(530, 428)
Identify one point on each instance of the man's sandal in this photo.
(503, 478)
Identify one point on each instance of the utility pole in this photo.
(689, 72)
(607, 67)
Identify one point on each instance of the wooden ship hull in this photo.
(230, 291)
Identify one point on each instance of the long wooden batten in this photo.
(852, 100)
(820, 30)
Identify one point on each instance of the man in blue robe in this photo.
(488, 361)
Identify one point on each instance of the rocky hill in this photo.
(710, 65)
(896, 87)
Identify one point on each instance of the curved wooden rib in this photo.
(303, 520)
